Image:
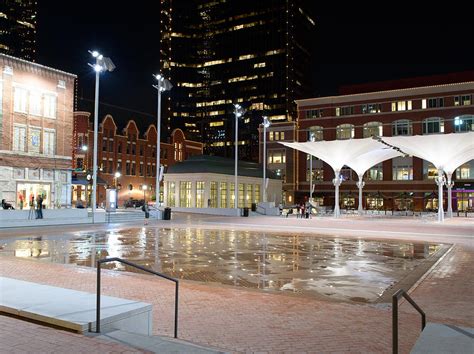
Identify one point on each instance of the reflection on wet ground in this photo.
(322, 266)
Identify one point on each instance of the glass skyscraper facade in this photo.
(222, 52)
(18, 28)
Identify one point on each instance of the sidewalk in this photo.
(245, 320)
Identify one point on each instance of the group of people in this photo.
(38, 208)
(304, 211)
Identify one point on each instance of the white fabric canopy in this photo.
(337, 153)
(444, 151)
(439, 149)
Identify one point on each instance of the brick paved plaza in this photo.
(240, 320)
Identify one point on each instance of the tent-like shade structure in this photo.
(449, 169)
(362, 163)
(337, 153)
(442, 150)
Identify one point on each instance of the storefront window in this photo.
(200, 194)
(232, 195)
(374, 203)
(223, 190)
(26, 192)
(185, 194)
(256, 197)
(249, 196)
(171, 194)
(241, 195)
(213, 203)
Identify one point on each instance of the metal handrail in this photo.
(395, 299)
(116, 259)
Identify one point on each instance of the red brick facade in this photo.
(129, 152)
(452, 103)
(36, 121)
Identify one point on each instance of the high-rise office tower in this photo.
(18, 28)
(222, 52)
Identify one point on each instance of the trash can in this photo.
(254, 206)
(246, 212)
(167, 214)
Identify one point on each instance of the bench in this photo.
(72, 309)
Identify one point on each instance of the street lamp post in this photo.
(312, 138)
(266, 123)
(238, 112)
(161, 86)
(144, 187)
(101, 63)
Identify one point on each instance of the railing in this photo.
(115, 259)
(395, 299)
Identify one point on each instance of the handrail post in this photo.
(176, 310)
(97, 318)
(395, 324)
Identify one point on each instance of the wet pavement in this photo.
(336, 268)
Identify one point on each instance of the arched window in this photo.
(373, 129)
(433, 125)
(402, 127)
(315, 133)
(464, 123)
(344, 131)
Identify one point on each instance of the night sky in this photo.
(358, 47)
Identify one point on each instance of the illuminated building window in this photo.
(401, 106)
(464, 123)
(171, 194)
(20, 99)
(49, 106)
(402, 168)
(315, 133)
(216, 124)
(49, 141)
(247, 56)
(19, 137)
(185, 194)
(373, 129)
(371, 108)
(223, 192)
(259, 65)
(276, 156)
(314, 113)
(200, 194)
(35, 103)
(462, 100)
(345, 131)
(270, 136)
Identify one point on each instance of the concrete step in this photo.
(155, 344)
(72, 309)
(439, 338)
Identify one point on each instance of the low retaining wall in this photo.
(22, 218)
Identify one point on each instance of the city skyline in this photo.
(355, 49)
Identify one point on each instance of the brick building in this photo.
(36, 121)
(435, 105)
(125, 150)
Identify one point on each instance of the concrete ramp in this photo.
(442, 339)
(72, 309)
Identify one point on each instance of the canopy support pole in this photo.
(440, 180)
(450, 185)
(361, 185)
(337, 182)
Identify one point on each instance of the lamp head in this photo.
(94, 53)
(266, 123)
(117, 174)
(84, 148)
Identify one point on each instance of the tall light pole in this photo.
(161, 86)
(266, 123)
(101, 64)
(312, 138)
(144, 187)
(238, 112)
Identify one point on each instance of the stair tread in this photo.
(443, 338)
(156, 344)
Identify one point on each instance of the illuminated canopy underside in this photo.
(444, 151)
(337, 153)
(362, 163)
